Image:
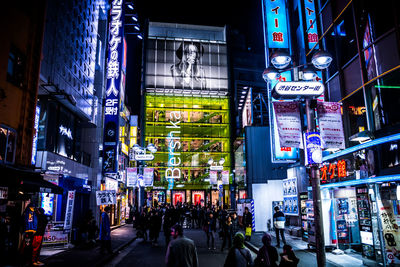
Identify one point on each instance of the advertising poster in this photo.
(213, 177)
(131, 177)
(247, 113)
(330, 125)
(288, 123)
(69, 211)
(391, 232)
(186, 67)
(106, 197)
(47, 203)
(148, 176)
(313, 151)
(225, 177)
(290, 199)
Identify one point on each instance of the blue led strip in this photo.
(379, 179)
(375, 142)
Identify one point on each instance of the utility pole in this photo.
(316, 194)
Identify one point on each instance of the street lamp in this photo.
(280, 59)
(321, 60)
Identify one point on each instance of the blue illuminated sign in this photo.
(276, 23)
(311, 23)
(35, 137)
(113, 89)
(47, 203)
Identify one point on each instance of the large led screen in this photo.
(186, 67)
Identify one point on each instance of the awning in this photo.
(27, 181)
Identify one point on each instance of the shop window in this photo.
(16, 67)
(8, 139)
(356, 113)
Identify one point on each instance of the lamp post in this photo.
(218, 166)
(320, 60)
(140, 155)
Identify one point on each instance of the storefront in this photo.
(158, 196)
(178, 197)
(360, 193)
(198, 197)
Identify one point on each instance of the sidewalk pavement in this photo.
(120, 238)
(307, 256)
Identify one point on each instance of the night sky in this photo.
(243, 17)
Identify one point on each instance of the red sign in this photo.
(333, 170)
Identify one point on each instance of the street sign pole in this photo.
(316, 195)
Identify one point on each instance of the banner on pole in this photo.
(213, 177)
(330, 124)
(288, 122)
(313, 151)
(69, 211)
(148, 176)
(225, 177)
(131, 177)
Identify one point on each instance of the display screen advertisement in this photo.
(247, 113)
(113, 87)
(186, 67)
(276, 23)
(330, 125)
(311, 23)
(287, 115)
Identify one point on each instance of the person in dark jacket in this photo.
(155, 226)
(210, 228)
(38, 236)
(288, 258)
(181, 250)
(105, 231)
(267, 255)
(235, 224)
(279, 225)
(247, 221)
(238, 255)
(167, 225)
(227, 233)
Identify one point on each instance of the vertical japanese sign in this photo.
(276, 23)
(311, 23)
(288, 123)
(35, 136)
(131, 177)
(113, 75)
(330, 124)
(390, 229)
(225, 177)
(69, 211)
(148, 176)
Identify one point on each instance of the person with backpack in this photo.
(238, 255)
(267, 255)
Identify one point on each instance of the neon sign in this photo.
(35, 137)
(333, 170)
(276, 22)
(113, 89)
(311, 25)
(174, 158)
(65, 131)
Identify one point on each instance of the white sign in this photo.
(148, 176)
(106, 197)
(330, 124)
(216, 167)
(144, 157)
(66, 131)
(288, 122)
(69, 211)
(111, 184)
(35, 136)
(55, 237)
(296, 89)
(3, 192)
(225, 177)
(131, 177)
(213, 177)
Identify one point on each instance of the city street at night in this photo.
(154, 133)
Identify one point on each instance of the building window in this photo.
(8, 139)
(16, 67)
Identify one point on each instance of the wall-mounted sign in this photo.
(290, 90)
(276, 23)
(106, 197)
(65, 131)
(35, 136)
(333, 170)
(113, 89)
(311, 23)
(144, 157)
(216, 167)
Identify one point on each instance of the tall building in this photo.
(187, 113)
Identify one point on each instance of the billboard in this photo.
(276, 23)
(113, 89)
(186, 67)
(247, 113)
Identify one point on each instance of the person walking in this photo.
(38, 236)
(238, 255)
(227, 233)
(279, 225)
(288, 258)
(105, 231)
(181, 250)
(167, 225)
(247, 223)
(267, 255)
(210, 228)
(235, 224)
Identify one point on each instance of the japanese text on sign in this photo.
(69, 211)
(276, 23)
(106, 197)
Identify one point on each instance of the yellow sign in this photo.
(125, 149)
